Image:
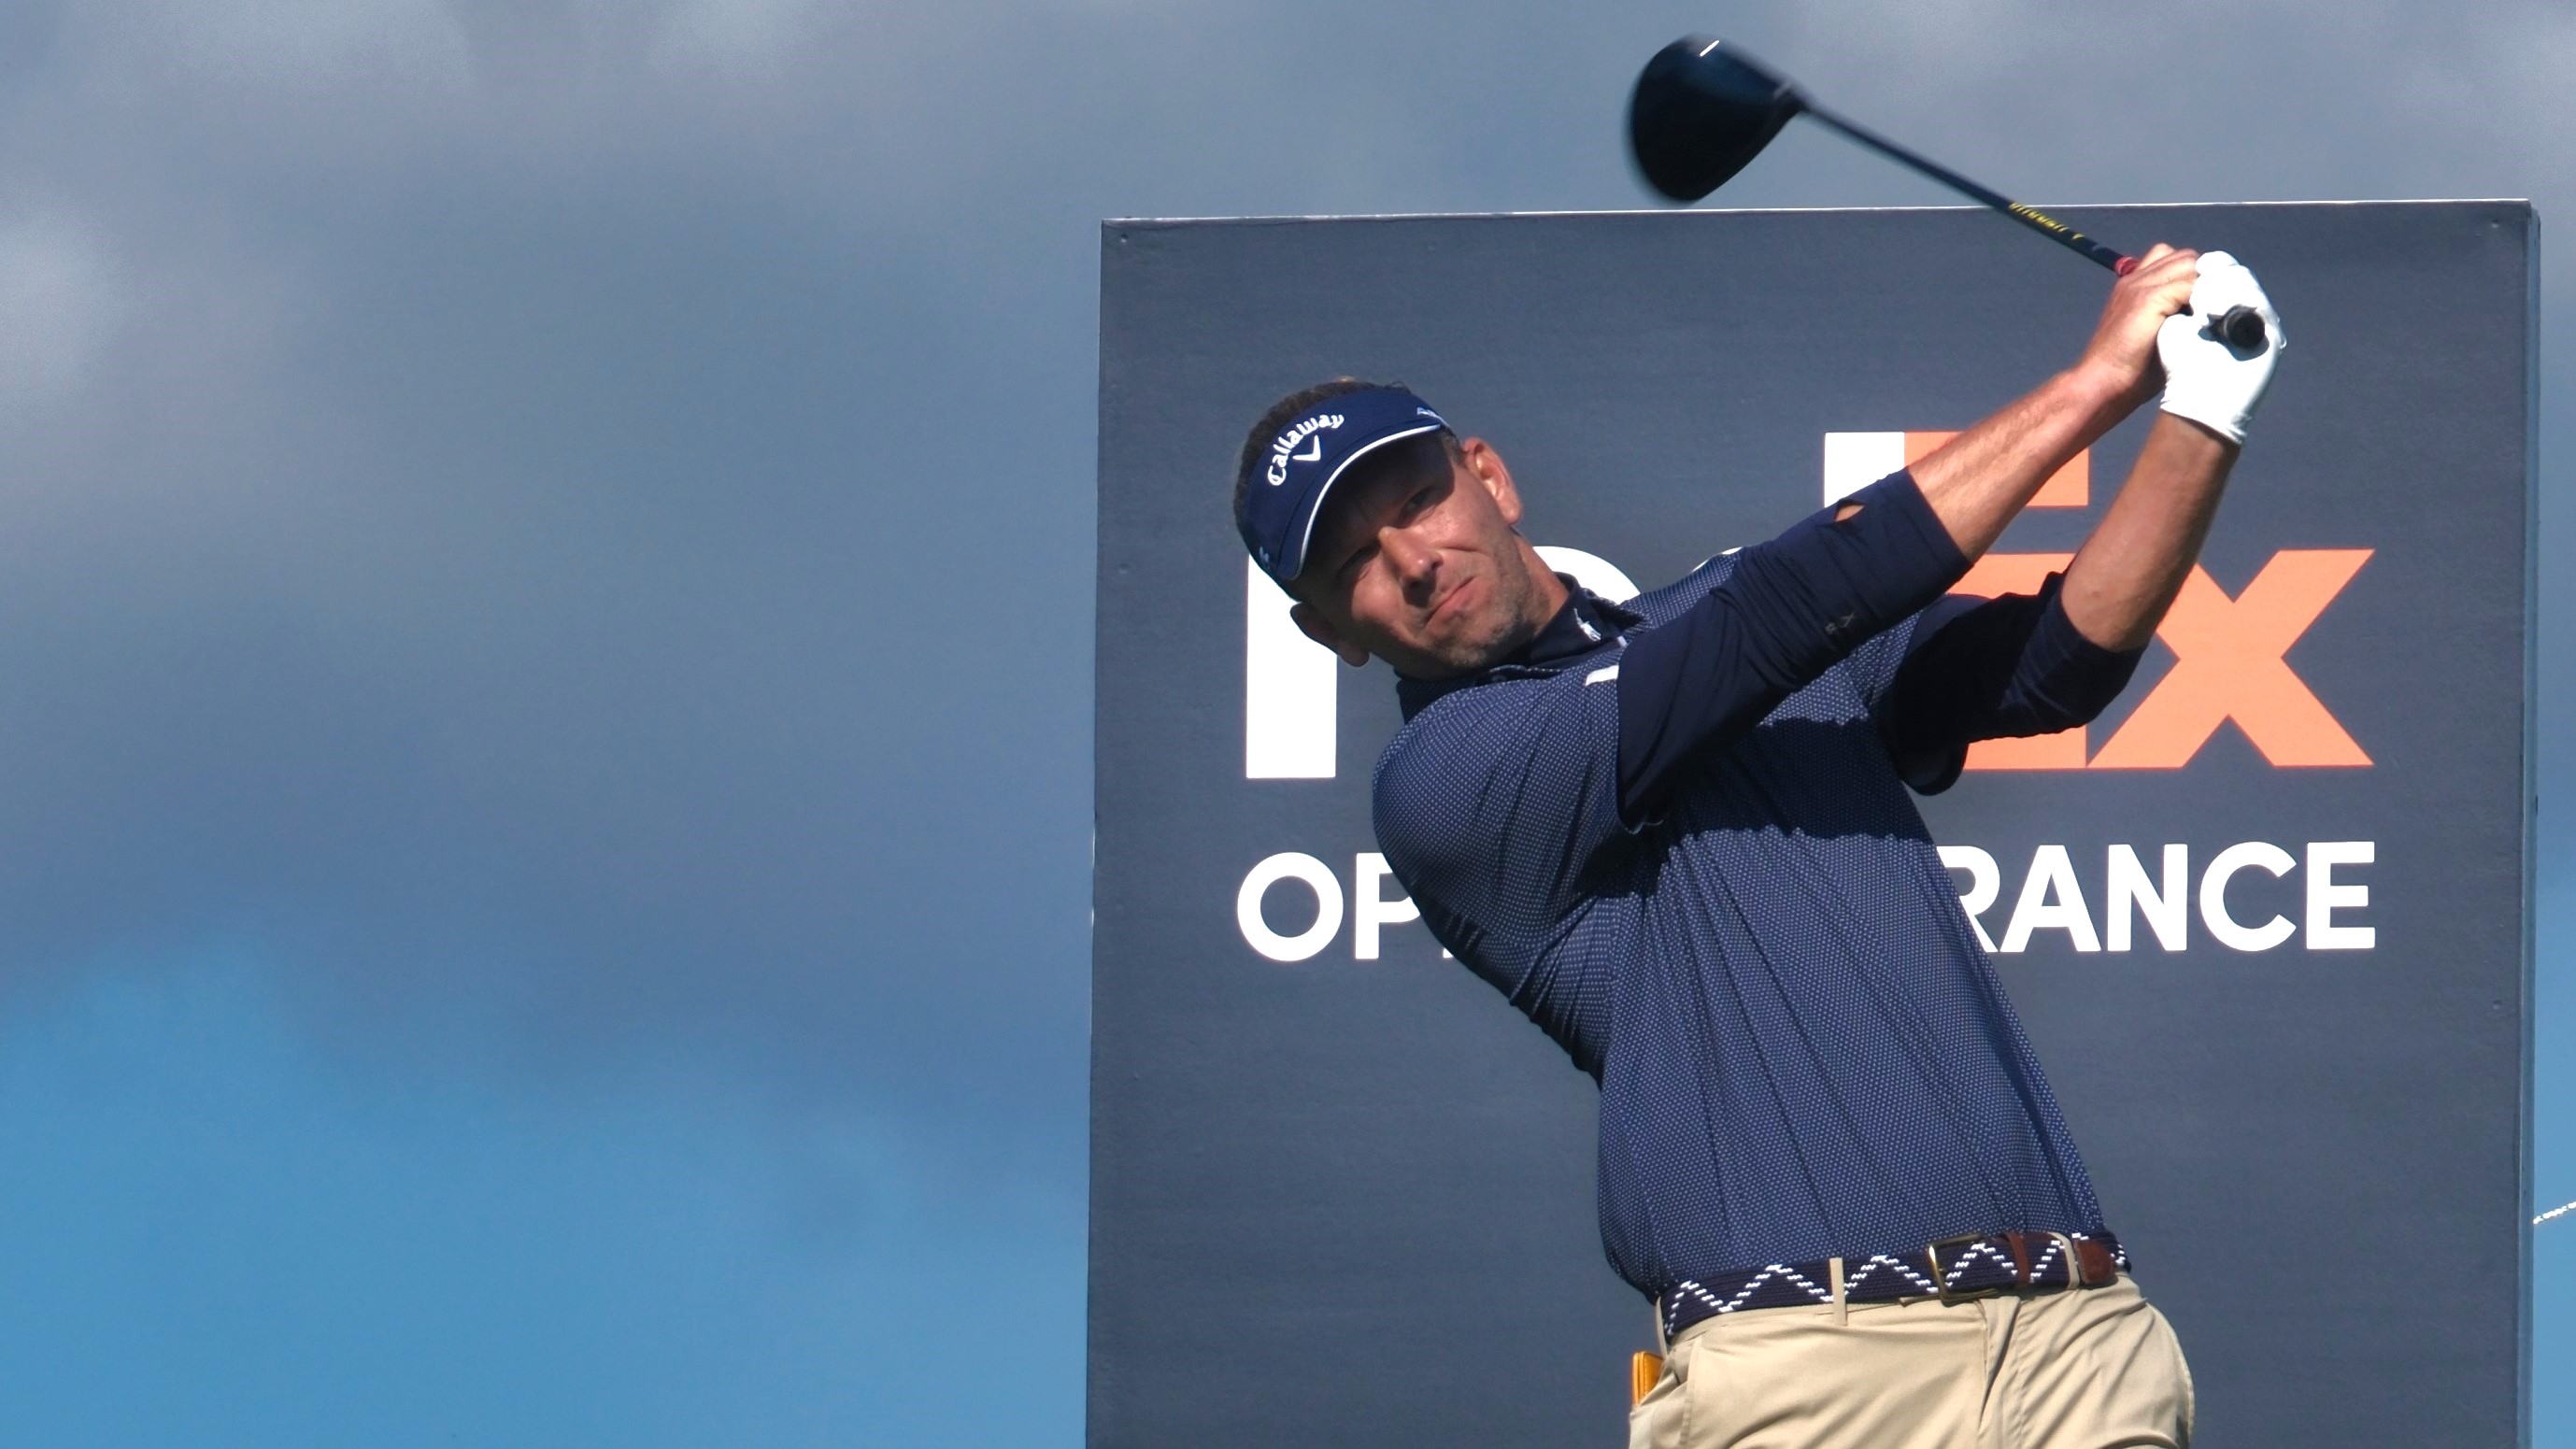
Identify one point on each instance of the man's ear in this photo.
(1316, 627)
(1487, 465)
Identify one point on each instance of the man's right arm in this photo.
(1978, 481)
(1796, 605)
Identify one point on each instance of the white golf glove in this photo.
(2206, 380)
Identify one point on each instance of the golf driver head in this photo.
(1702, 109)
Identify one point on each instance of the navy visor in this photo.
(1290, 478)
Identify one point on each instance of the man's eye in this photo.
(1360, 556)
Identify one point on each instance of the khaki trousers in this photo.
(2094, 1368)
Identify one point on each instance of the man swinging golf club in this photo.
(1676, 835)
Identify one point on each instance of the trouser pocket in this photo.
(1660, 1420)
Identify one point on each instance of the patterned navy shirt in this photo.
(1739, 926)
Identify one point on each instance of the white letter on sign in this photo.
(1288, 689)
(2213, 896)
(2325, 897)
(1368, 912)
(2052, 877)
(1985, 882)
(1289, 865)
(1853, 461)
(2167, 909)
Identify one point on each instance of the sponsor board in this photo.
(2265, 920)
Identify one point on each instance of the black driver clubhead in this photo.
(1702, 109)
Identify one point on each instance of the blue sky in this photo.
(545, 602)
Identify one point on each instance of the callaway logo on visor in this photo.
(1281, 454)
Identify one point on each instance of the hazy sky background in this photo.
(545, 635)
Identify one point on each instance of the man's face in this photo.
(1415, 561)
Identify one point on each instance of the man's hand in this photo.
(2206, 380)
(2122, 355)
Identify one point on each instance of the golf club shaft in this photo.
(2241, 326)
(2039, 221)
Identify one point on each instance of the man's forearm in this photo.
(1979, 481)
(2127, 573)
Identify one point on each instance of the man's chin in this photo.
(1474, 655)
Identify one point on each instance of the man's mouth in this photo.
(1448, 601)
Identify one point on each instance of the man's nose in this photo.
(1413, 560)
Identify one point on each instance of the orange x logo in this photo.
(2230, 666)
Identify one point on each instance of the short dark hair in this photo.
(1276, 419)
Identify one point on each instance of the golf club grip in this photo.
(2240, 327)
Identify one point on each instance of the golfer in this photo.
(1676, 834)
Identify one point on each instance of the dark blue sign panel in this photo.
(2266, 920)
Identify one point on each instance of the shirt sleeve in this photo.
(1497, 808)
(1791, 609)
(1983, 669)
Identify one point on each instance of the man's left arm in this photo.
(2025, 665)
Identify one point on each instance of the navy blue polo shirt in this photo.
(1736, 920)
